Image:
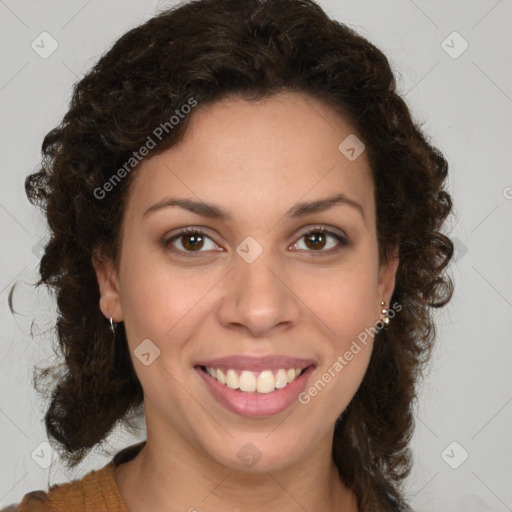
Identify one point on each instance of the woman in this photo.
(246, 246)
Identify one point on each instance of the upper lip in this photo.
(256, 364)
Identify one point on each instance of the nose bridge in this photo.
(256, 297)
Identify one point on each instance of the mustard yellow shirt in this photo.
(95, 492)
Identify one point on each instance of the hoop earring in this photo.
(384, 312)
(112, 326)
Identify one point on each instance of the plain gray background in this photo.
(464, 101)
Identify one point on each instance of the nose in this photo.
(259, 298)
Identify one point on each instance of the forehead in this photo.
(257, 157)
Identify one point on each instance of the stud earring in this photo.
(384, 313)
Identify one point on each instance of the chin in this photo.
(259, 453)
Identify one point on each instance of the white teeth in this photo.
(248, 381)
(266, 382)
(232, 380)
(220, 377)
(281, 381)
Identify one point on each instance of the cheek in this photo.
(351, 340)
(350, 316)
(345, 301)
(162, 305)
(345, 304)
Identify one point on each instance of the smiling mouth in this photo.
(247, 381)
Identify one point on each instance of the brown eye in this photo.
(317, 239)
(190, 241)
(193, 241)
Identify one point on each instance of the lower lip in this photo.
(253, 404)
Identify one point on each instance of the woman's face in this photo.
(251, 295)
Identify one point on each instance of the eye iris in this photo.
(317, 239)
(197, 241)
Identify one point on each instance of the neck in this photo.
(164, 477)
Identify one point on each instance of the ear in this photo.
(108, 282)
(387, 277)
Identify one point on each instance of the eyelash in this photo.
(198, 231)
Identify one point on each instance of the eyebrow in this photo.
(213, 211)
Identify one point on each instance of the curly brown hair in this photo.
(209, 49)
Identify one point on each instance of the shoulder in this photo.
(97, 490)
(89, 492)
(35, 501)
